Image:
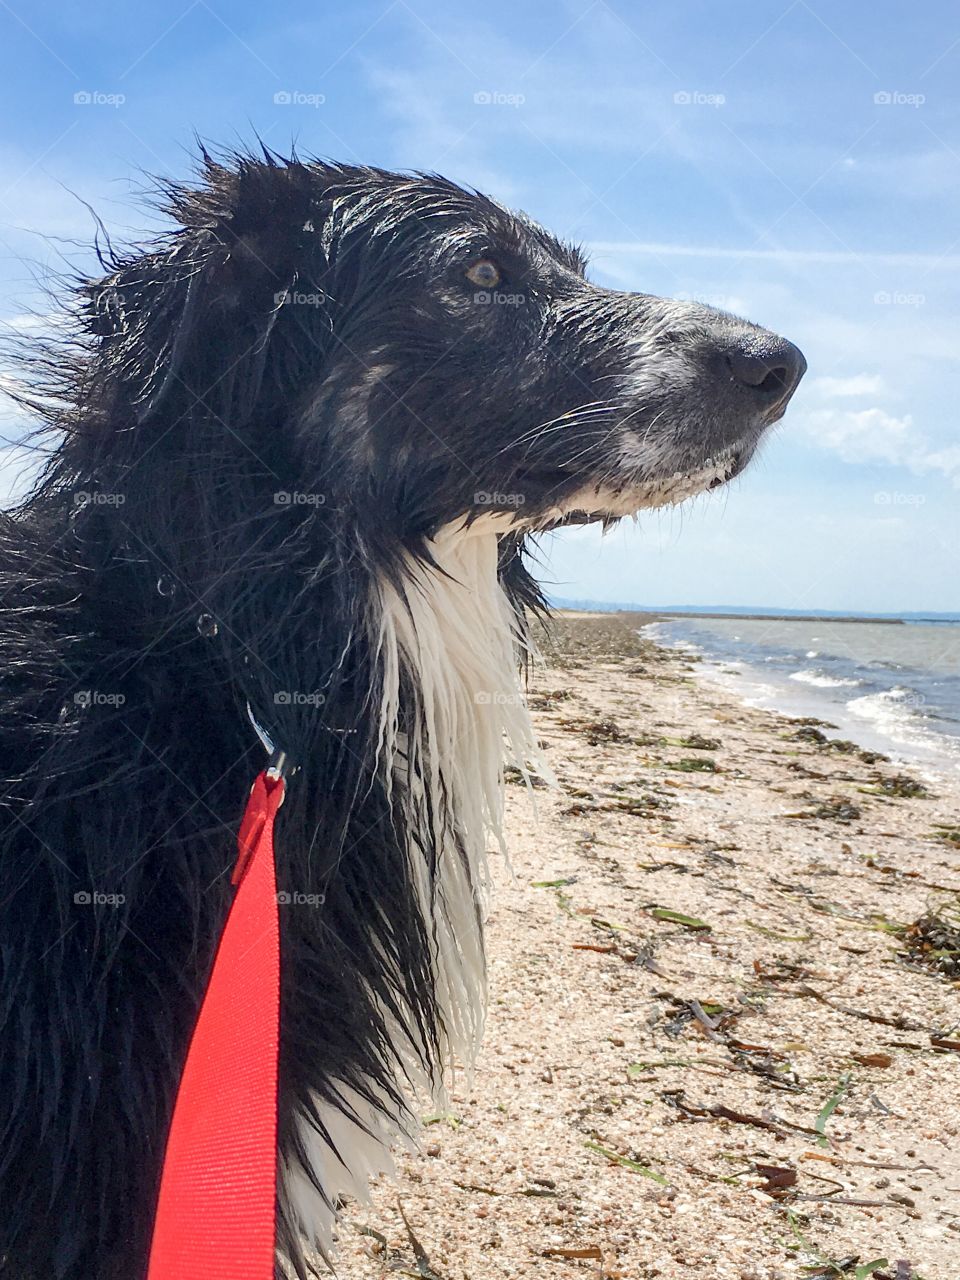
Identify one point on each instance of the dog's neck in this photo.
(452, 710)
(449, 645)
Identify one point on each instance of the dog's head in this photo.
(428, 355)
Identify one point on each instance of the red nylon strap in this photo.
(216, 1216)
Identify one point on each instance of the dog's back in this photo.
(105, 938)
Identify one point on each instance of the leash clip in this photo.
(278, 764)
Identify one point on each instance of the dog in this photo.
(301, 445)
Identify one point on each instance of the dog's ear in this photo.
(190, 322)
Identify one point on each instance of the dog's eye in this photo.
(484, 274)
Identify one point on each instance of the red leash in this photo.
(216, 1216)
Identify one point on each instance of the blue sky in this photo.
(796, 163)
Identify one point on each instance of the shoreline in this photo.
(716, 1047)
(781, 617)
(767, 690)
(658, 615)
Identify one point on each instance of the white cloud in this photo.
(29, 323)
(859, 384)
(861, 435)
(946, 461)
(870, 436)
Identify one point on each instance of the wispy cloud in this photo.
(872, 434)
(660, 249)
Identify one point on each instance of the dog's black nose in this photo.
(770, 367)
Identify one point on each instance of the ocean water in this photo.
(891, 687)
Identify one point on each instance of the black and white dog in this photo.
(300, 443)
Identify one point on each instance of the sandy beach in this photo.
(724, 1020)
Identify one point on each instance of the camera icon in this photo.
(282, 499)
(283, 98)
(483, 698)
(82, 898)
(883, 98)
(882, 298)
(483, 98)
(283, 898)
(682, 98)
(282, 698)
(84, 698)
(83, 98)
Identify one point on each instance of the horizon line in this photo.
(618, 606)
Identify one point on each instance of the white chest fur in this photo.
(447, 647)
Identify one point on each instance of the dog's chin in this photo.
(551, 500)
(612, 497)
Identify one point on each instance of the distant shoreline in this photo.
(906, 618)
(770, 617)
(642, 617)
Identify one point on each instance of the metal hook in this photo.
(278, 766)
